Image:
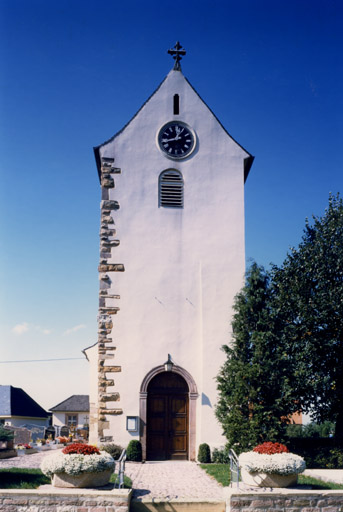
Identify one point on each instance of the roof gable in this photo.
(75, 403)
(176, 81)
(16, 402)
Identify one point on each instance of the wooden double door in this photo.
(167, 418)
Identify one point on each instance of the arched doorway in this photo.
(168, 412)
(167, 418)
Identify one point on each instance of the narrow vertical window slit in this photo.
(176, 104)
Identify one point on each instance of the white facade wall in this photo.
(20, 421)
(59, 418)
(183, 267)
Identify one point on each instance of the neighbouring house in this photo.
(72, 412)
(17, 408)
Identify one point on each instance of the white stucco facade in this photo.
(19, 421)
(59, 418)
(183, 266)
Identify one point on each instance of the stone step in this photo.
(184, 505)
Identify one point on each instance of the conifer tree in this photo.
(255, 393)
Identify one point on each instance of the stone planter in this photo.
(21, 452)
(30, 451)
(82, 481)
(8, 454)
(258, 479)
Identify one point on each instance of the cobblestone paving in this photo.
(153, 480)
(172, 480)
(25, 461)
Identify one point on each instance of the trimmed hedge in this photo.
(134, 451)
(204, 454)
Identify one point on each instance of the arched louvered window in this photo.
(171, 189)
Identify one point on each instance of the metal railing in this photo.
(121, 470)
(234, 468)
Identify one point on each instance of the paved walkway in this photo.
(327, 475)
(25, 461)
(172, 480)
(163, 481)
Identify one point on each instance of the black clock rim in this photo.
(176, 123)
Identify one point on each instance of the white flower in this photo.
(76, 463)
(280, 463)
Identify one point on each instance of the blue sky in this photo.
(74, 72)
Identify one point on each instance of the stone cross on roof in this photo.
(176, 52)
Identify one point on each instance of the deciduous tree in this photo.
(308, 291)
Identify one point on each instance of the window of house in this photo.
(171, 189)
(71, 420)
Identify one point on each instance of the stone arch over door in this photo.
(143, 400)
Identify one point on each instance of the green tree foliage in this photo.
(6, 434)
(255, 392)
(309, 303)
(312, 430)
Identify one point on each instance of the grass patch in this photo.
(127, 481)
(315, 483)
(18, 478)
(220, 472)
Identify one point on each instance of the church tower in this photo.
(171, 261)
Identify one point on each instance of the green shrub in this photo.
(134, 451)
(204, 454)
(113, 449)
(221, 455)
(6, 434)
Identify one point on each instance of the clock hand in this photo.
(169, 140)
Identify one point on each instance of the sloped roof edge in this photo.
(75, 403)
(16, 402)
(247, 161)
(97, 148)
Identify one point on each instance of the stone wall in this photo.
(21, 435)
(106, 347)
(286, 500)
(66, 500)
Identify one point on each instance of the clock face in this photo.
(176, 139)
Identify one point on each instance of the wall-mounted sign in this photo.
(132, 423)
